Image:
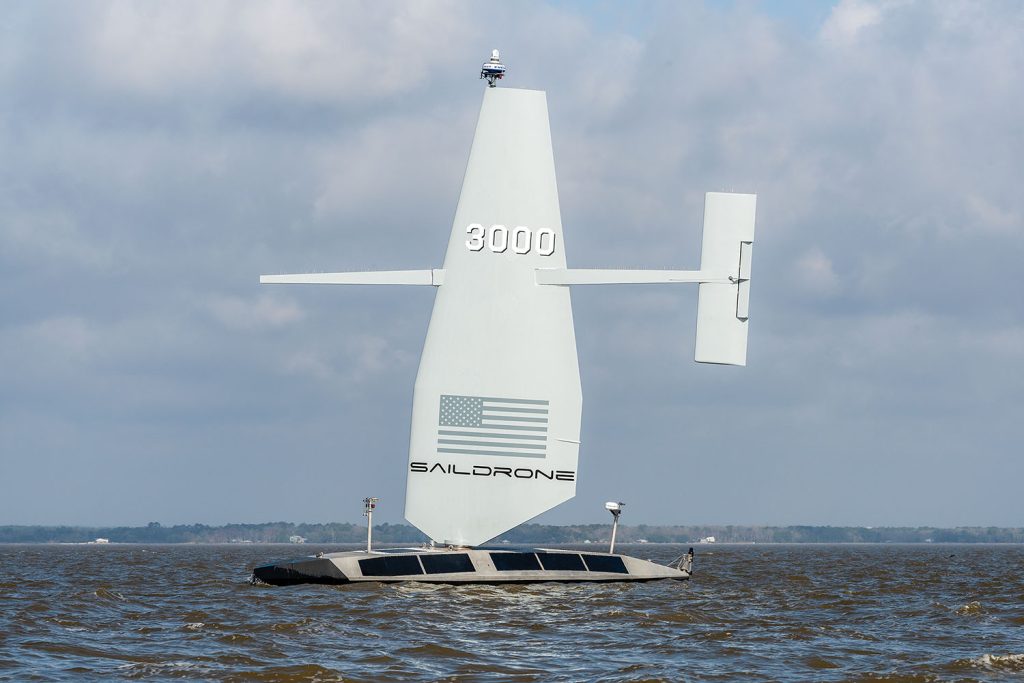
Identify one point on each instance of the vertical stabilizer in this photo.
(723, 308)
(496, 409)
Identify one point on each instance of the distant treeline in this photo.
(270, 532)
(284, 532)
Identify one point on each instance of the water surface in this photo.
(821, 613)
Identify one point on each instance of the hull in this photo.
(466, 565)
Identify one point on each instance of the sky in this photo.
(156, 158)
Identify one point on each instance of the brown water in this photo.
(816, 613)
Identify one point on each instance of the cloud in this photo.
(47, 236)
(158, 158)
(65, 334)
(343, 53)
(815, 274)
(988, 217)
(850, 18)
(307, 363)
(362, 358)
(255, 312)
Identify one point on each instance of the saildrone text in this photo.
(492, 471)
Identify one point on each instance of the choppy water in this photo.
(819, 613)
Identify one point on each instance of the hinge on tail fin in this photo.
(743, 281)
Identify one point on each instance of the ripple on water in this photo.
(1008, 663)
(431, 650)
(816, 662)
(106, 594)
(971, 609)
(751, 613)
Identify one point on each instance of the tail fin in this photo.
(722, 309)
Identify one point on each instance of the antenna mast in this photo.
(368, 505)
(616, 510)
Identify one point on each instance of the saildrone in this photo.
(497, 403)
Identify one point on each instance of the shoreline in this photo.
(287, 533)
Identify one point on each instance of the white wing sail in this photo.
(496, 409)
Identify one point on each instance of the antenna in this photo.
(368, 505)
(616, 510)
(493, 69)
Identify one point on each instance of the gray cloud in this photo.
(154, 159)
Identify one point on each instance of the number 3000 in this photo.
(498, 239)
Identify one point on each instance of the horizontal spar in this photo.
(597, 276)
(433, 277)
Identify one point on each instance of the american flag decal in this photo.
(476, 425)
